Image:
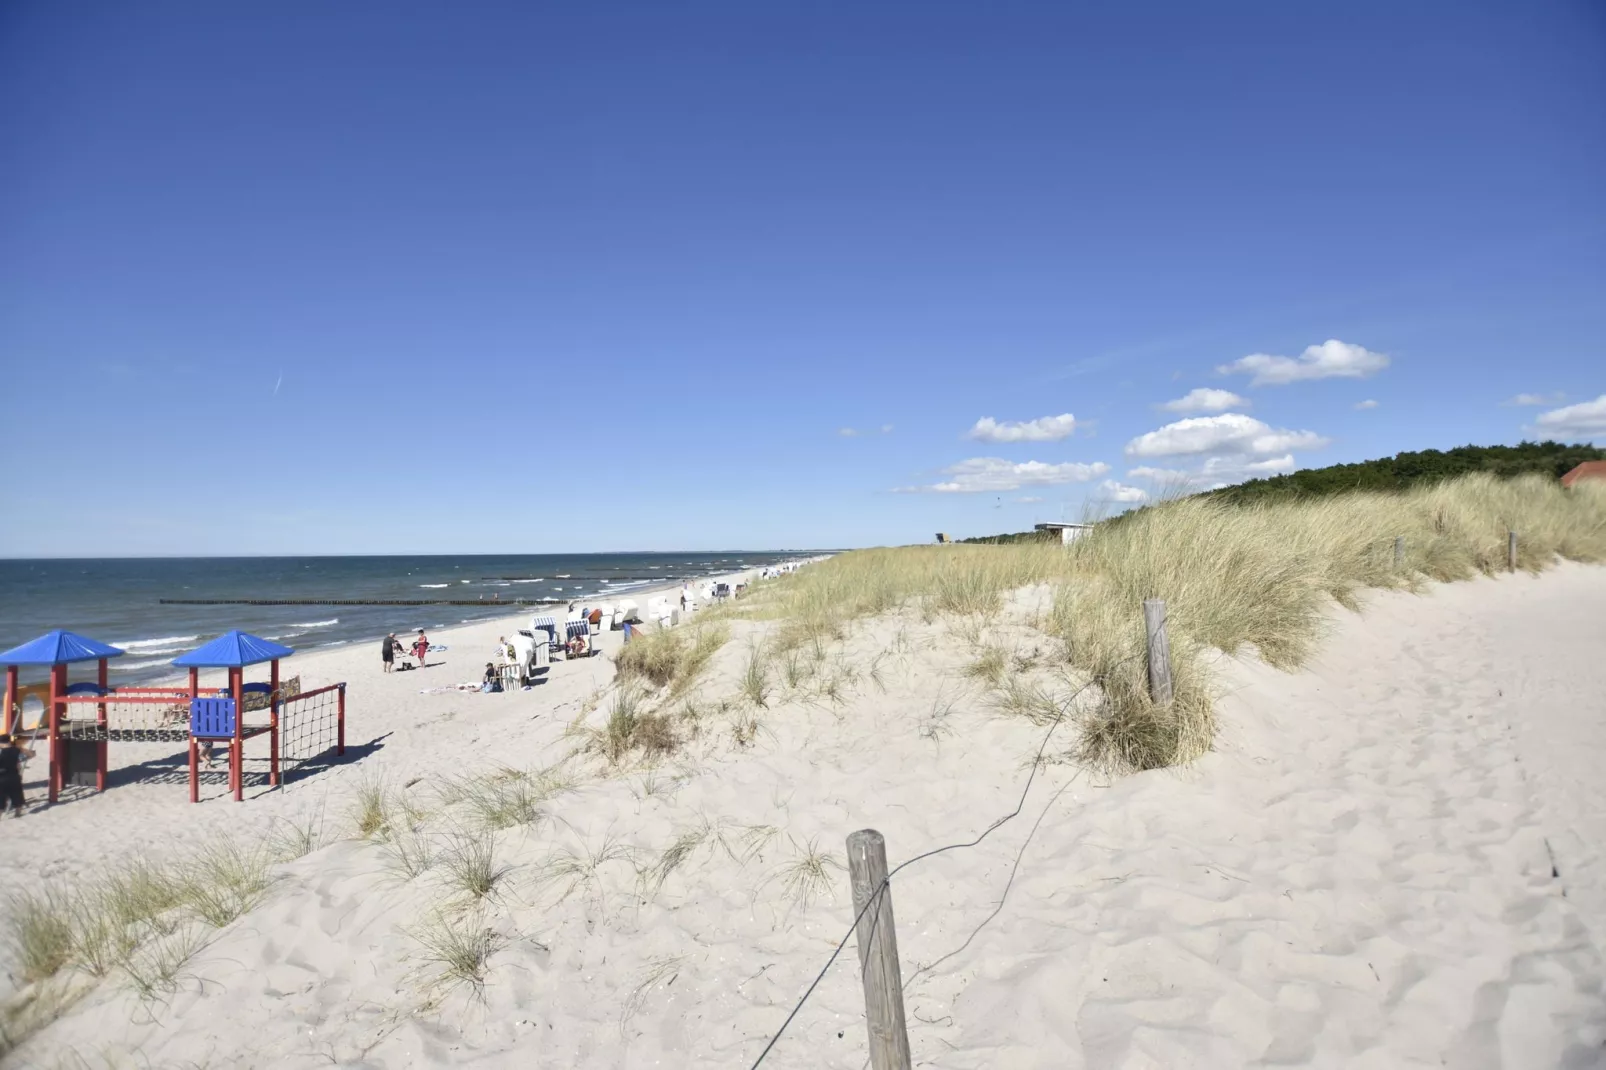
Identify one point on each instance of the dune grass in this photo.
(1260, 576)
(809, 874)
(470, 864)
(755, 681)
(671, 657)
(633, 729)
(40, 936)
(139, 922)
(371, 809)
(460, 945)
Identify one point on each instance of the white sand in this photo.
(1359, 876)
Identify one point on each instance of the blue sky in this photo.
(343, 278)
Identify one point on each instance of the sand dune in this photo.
(1392, 859)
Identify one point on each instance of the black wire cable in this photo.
(874, 896)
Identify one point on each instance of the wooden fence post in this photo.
(1511, 551)
(878, 951)
(1399, 550)
(1159, 651)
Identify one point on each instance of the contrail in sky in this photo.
(278, 384)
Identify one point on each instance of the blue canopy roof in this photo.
(58, 648)
(232, 650)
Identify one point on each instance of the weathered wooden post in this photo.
(878, 951)
(1511, 551)
(1159, 651)
(1399, 550)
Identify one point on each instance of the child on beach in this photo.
(492, 683)
(421, 647)
(12, 755)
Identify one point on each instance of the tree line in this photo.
(1408, 469)
(1553, 459)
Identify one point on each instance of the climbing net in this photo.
(311, 724)
(143, 715)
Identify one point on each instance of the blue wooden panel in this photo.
(212, 717)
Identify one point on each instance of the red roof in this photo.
(1587, 470)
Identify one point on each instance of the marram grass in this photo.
(1259, 576)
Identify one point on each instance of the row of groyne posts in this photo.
(867, 869)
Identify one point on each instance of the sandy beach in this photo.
(1391, 859)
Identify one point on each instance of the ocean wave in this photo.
(130, 666)
(563, 576)
(318, 623)
(173, 641)
(434, 585)
(538, 579)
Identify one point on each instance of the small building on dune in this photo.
(1067, 532)
(1594, 471)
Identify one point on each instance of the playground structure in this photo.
(81, 719)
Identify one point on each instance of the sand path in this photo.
(1358, 878)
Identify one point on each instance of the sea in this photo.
(120, 600)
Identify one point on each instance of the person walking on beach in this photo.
(387, 651)
(12, 755)
(421, 647)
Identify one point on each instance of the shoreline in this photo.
(501, 620)
(369, 620)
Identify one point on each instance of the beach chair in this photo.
(658, 612)
(582, 628)
(549, 625)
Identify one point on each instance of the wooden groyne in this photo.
(363, 601)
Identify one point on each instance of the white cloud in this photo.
(1330, 360)
(1120, 492)
(1236, 468)
(1160, 475)
(1206, 399)
(994, 474)
(1369, 403)
(847, 432)
(1043, 429)
(854, 432)
(1029, 499)
(1587, 419)
(1229, 433)
(1536, 399)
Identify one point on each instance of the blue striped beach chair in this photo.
(550, 626)
(582, 628)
